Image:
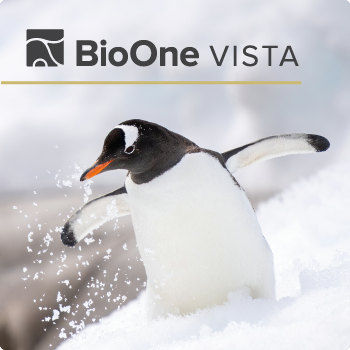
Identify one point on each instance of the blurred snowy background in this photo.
(45, 130)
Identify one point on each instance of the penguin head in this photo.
(137, 146)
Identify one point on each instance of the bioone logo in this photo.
(45, 47)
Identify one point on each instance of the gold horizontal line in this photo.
(183, 82)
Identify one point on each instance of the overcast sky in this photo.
(52, 127)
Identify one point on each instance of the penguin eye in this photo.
(130, 149)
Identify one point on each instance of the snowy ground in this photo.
(308, 228)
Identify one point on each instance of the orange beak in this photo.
(94, 170)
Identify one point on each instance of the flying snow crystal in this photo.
(59, 296)
(24, 269)
(88, 303)
(108, 251)
(77, 172)
(64, 308)
(87, 189)
(67, 183)
(47, 239)
(88, 240)
(56, 315)
(62, 334)
(125, 246)
(30, 239)
(14, 207)
(36, 276)
(78, 327)
(35, 204)
(29, 250)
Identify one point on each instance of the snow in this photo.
(308, 229)
(59, 297)
(56, 315)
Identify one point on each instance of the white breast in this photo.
(198, 236)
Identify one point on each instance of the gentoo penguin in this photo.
(197, 233)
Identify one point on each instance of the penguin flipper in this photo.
(272, 147)
(94, 214)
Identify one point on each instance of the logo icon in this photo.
(45, 47)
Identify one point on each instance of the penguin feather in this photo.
(272, 147)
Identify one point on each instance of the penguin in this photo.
(196, 230)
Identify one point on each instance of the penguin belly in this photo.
(199, 237)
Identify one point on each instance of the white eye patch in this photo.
(131, 134)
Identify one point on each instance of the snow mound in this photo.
(308, 228)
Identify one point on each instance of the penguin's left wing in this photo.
(272, 147)
(94, 214)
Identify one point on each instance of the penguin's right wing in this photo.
(272, 147)
(94, 214)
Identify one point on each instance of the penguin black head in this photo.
(141, 147)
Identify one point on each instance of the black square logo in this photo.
(45, 47)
